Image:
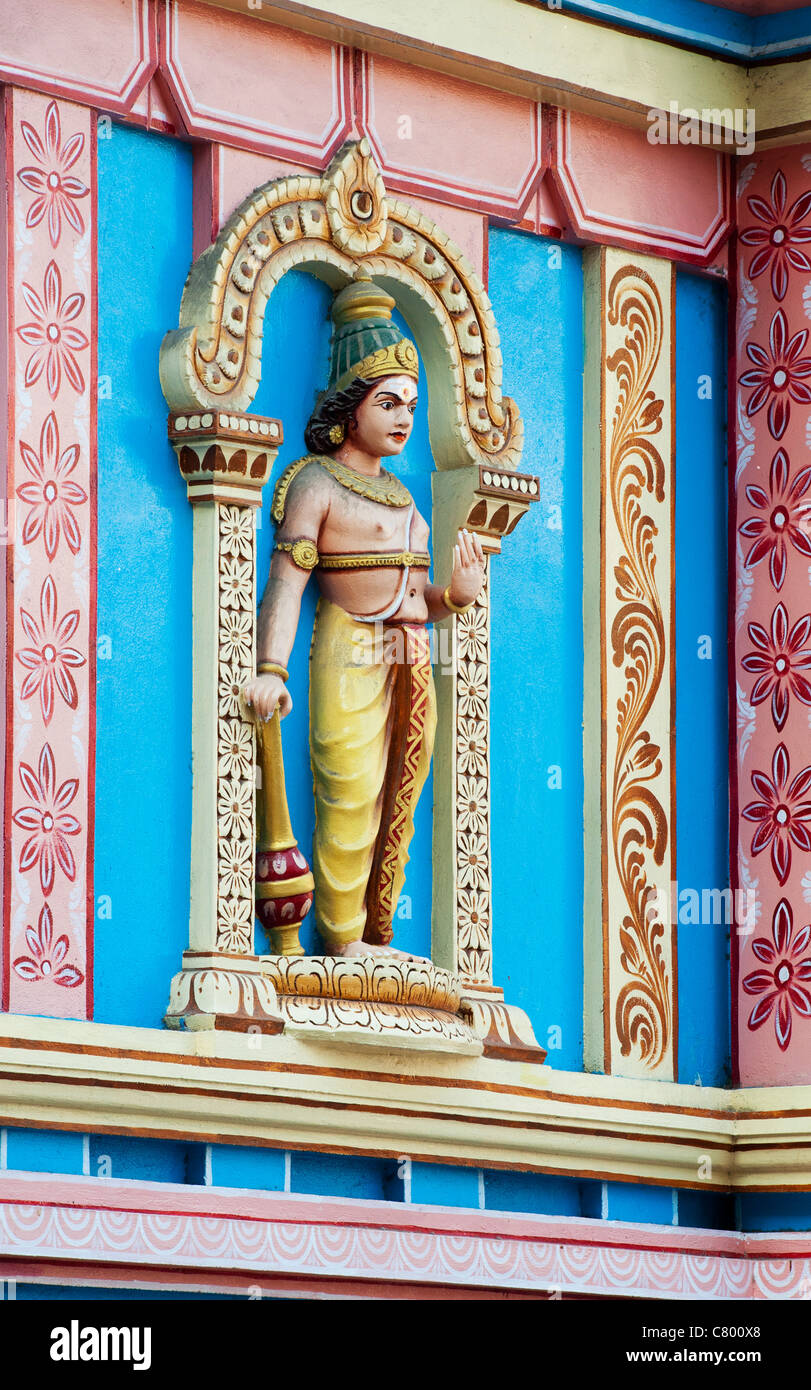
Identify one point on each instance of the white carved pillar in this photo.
(225, 460)
(491, 502)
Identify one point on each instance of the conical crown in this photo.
(365, 342)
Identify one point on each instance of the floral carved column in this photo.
(48, 911)
(226, 460)
(771, 793)
(628, 608)
(491, 502)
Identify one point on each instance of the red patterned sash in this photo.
(409, 707)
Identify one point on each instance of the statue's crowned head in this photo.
(366, 346)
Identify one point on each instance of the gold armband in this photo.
(455, 607)
(303, 552)
(271, 668)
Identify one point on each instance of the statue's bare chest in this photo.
(356, 523)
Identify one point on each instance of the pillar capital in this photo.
(225, 457)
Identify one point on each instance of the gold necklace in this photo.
(384, 488)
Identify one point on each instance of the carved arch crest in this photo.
(331, 226)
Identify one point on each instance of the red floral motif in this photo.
(778, 375)
(779, 235)
(56, 190)
(52, 335)
(778, 663)
(781, 813)
(53, 494)
(47, 959)
(48, 820)
(785, 981)
(49, 660)
(787, 518)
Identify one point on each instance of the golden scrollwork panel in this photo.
(631, 1000)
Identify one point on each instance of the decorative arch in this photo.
(331, 227)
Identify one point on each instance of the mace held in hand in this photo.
(284, 883)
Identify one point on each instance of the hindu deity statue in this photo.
(339, 513)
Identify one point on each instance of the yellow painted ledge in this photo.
(286, 1093)
(554, 57)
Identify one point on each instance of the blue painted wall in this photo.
(702, 797)
(711, 28)
(537, 651)
(43, 1150)
(369, 1178)
(295, 362)
(774, 1211)
(143, 749)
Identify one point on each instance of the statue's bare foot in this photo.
(366, 948)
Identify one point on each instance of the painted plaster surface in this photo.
(111, 1227)
(238, 172)
(143, 777)
(536, 598)
(702, 739)
(291, 94)
(88, 50)
(49, 803)
(772, 809)
(462, 142)
(457, 151)
(621, 189)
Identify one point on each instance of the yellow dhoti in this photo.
(372, 724)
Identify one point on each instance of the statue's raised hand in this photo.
(264, 693)
(468, 568)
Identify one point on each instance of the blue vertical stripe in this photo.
(702, 857)
(143, 739)
(536, 756)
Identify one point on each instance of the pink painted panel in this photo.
(152, 108)
(450, 139)
(546, 214)
(771, 810)
(239, 172)
(47, 909)
(100, 51)
(278, 92)
(671, 200)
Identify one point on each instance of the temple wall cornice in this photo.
(362, 1099)
(558, 58)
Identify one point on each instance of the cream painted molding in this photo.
(282, 1092)
(557, 58)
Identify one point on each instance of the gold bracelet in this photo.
(271, 668)
(455, 607)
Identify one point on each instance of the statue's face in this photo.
(383, 421)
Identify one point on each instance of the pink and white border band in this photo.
(173, 1236)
